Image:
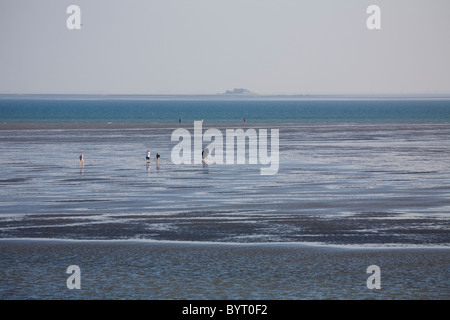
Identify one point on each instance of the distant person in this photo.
(205, 154)
(179, 120)
(147, 157)
(157, 159)
(81, 164)
(245, 120)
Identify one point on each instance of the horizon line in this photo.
(246, 96)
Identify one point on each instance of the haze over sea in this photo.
(354, 173)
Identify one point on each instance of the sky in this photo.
(210, 46)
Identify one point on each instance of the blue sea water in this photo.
(167, 111)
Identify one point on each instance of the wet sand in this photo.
(225, 232)
(346, 183)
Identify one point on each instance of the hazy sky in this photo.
(210, 46)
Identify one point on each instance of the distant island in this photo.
(238, 91)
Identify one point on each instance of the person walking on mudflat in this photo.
(81, 164)
(205, 154)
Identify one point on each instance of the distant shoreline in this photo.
(222, 97)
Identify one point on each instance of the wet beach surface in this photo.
(344, 194)
(340, 184)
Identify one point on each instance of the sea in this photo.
(361, 181)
